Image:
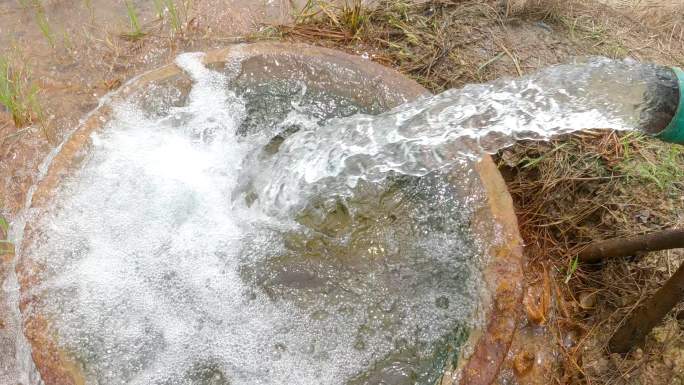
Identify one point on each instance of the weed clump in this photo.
(16, 94)
(6, 246)
(41, 19)
(162, 8)
(416, 38)
(136, 31)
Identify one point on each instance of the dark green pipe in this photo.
(674, 131)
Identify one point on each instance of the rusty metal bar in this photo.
(624, 247)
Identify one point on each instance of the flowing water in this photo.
(202, 243)
(437, 132)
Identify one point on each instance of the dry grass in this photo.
(595, 186)
(643, 29)
(415, 38)
(569, 192)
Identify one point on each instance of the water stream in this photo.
(195, 247)
(439, 131)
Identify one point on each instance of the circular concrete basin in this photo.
(361, 82)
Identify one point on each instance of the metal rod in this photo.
(646, 316)
(624, 247)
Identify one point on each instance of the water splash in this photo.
(156, 270)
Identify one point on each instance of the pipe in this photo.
(673, 132)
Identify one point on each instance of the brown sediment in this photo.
(503, 277)
(56, 366)
(6, 263)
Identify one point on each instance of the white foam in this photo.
(155, 273)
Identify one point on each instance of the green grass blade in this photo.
(173, 15)
(136, 30)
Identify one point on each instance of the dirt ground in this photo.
(585, 187)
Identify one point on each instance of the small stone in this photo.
(442, 302)
(587, 300)
(643, 216)
(447, 378)
(570, 339)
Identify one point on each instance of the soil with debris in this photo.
(569, 192)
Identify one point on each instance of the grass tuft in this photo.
(174, 18)
(351, 17)
(354, 16)
(159, 8)
(44, 25)
(416, 38)
(41, 19)
(6, 247)
(176, 15)
(17, 95)
(136, 31)
(648, 162)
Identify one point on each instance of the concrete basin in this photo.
(363, 83)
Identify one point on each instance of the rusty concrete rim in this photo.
(503, 275)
